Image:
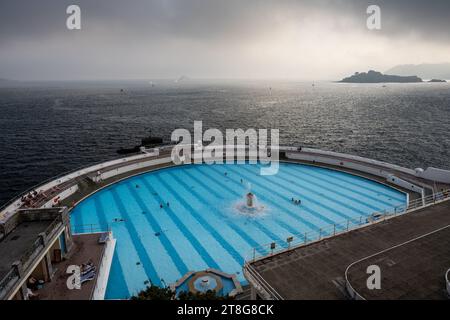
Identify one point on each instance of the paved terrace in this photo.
(86, 248)
(316, 271)
(413, 270)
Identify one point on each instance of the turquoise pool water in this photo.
(199, 225)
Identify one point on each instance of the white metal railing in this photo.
(8, 281)
(264, 286)
(304, 238)
(90, 228)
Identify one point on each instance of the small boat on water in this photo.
(151, 141)
(134, 149)
(148, 142)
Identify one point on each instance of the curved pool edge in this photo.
(431, 179)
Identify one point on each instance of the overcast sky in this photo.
(151, 39)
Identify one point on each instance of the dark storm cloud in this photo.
(209, 19)
(428, 19)
(149, 37)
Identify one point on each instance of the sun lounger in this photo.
(103, 238)
(88, 270)
(88, 276)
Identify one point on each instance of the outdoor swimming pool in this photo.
(189, 218)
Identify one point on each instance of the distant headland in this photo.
(377, 77)
(425, 70)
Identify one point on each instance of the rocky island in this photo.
(378, 77)
(437, 80)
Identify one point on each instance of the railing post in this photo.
(348, 223)
(305, 237)
(254, 254)
(334, 229)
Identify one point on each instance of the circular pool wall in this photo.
(187, 218)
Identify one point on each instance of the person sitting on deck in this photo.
(33, 283)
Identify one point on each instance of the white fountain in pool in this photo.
(250, 200)
(250, 204)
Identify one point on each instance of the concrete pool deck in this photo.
(412, 271)
(87, 248)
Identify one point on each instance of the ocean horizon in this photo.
(50, 129)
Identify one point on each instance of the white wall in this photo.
(362, 167)
(103, 270)
(434, 174)
(63, 195)
(131, 167)
(405, 184)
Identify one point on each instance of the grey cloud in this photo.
(204, 27)
(205, 19)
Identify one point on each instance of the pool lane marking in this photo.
(101, 213)
(268, 232)
(291, 187)
(307, 223)
(261, 227)
(118, 280)
(319, 183)
(137, 243)
(166, 243)
(180, 225)
(298, 182)
(245, 237)
(277, 194)
(329, 221)
(367, 183)
(195, 259)
(336, 182)
(220, 240)
(78, 220)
